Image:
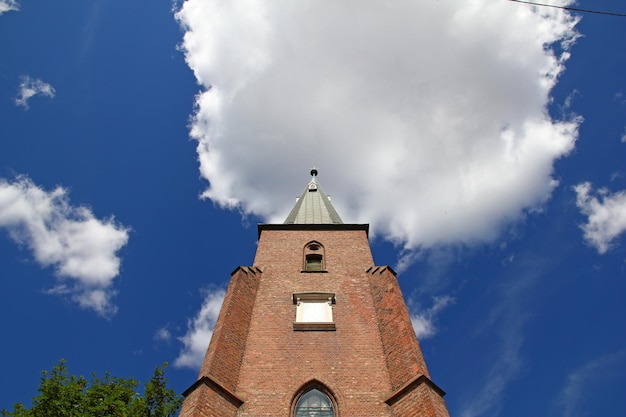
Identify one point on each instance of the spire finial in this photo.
(314, 172)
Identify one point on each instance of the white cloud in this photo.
(8, 5)
(505, 367)
(424, 321)
(427, 119)
(596, 373)
(81, 248)
(507, 320)
(501, 332)
(199, 331)
(163, 335)
(623, 138)
(30, 87)
(606, 215)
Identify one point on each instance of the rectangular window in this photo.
(314, 311)
(314, 263)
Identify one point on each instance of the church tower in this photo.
(314, 328)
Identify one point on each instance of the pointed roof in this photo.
(313, 206)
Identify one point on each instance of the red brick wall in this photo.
(257, 354)
(422, 401)
(206, 401)
(223, 359)
(231, 329)
(279, 360)
(402, 352)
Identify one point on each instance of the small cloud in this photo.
(162, 335)
(30, 87)
(406, 259)
(566, 107)
(508, 260)
(505, 367)
(80, 247)
(623, 138)
(423, 326)
(8, 5)
(606, 215)
(424, 322)
(598, 371)
(199, 331)
(505, 359)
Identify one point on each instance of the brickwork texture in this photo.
(257, 364)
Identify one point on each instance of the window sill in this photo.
(304, 271)
(323, 326)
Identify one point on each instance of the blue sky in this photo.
(484, 141)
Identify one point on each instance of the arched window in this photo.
(314, 257)
(314, 403)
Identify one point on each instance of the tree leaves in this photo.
(75, 396)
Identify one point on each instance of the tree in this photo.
(75, 396)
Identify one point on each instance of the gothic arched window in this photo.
(314, 403)
(314, 257)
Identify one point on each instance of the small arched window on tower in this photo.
(314, 403)
(314, 257)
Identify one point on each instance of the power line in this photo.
(574, 9)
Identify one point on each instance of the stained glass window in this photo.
(314, 403)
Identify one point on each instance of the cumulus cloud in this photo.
(81, 248)
(199, 331)
(8, 5)
(606, 215)
(30, 87)
(426, 119)
(424, 321)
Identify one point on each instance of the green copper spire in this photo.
(313, 206)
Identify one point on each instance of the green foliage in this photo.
(75, 396)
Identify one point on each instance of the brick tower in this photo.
(314, 328)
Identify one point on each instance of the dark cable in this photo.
(574, 9)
